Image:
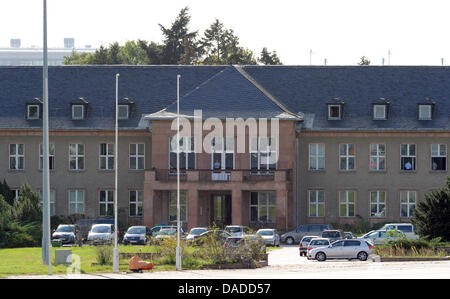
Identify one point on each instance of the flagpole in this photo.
(46, 245)
(178, 249)
(116, 177)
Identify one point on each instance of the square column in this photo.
(281, 207)
(193, 209)
(236, 206)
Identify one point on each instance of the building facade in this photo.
(351, 142)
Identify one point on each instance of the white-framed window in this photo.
(16, 193)
(52, 201)
(407, 203)
(106, 203)
(347, 156)
(316, 156)
(377, 204)
(123, 112)
(408, 157)
(263, 206)
(379, 112)
(222, 153)
(316, 203)
(106, 157)
(77, 112)
(187, 153)
(76, 202)
(136, 203)
(347, 203)
(173, 206)
(17, 156)
(33, 112)
(137, 156)
(263, 153)
(438, 157)
(51, 156)
(76, 156)
(334, 112)
(425, 112)
(377, 157)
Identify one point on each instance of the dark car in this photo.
(333, 235)
(67, 234)
(137, 235)
(218, 235)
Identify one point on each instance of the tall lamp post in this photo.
(116, 177)
(46, 246)
(178, 249)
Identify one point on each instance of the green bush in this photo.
(104, 254)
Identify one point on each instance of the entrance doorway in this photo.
(221, 210)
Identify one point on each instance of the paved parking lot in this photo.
(285, 263)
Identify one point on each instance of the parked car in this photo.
(270, 236)
(101, 233)
(168, 233)
(137, 235)
(85, 225)
(333, 234)
(219, 235)
(155, 229)
(348, 235)
(304, 230)
(303, 245)
(316, 243)
(343, 249)
(67, 234)
(406, 228)
(379, 237)
(236, 230)
(195, 231)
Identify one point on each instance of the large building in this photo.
(353, 142)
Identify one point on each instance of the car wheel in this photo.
(321, 257)
(289, 241)
(362, 256)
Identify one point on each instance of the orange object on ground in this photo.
(138, 266)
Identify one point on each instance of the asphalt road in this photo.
(285, 263)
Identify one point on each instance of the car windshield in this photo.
(319, 242)
(101, 229)
(136, 230)
(304, 240)
(167, 231)
(330, 234)
(65, 229)
(265, 233)
(197, 231)
(233, 229)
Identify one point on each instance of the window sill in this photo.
(347, 171)
(438, 171)
(408, 171)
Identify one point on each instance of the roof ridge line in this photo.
(264, 91)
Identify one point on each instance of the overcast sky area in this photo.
(415, 32)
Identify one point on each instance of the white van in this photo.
(406, 228)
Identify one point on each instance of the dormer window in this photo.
(425, 111)
(380, 111)
(334, 111)
(77, 112)
(124, 112)
(33, 111)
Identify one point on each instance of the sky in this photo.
(340, 31)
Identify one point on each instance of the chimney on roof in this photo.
(14, 42)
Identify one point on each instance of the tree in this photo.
(176, 37)
(269, 58)
(7, 193)
(133, 53)
(364, 61)
(432, 216)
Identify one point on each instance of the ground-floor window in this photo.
(347, 203)
(377, 204)
(407, 203)
(316, 203)
(106, 201)
(76, 202)
(136, 203)
(263, 206)
(173, 206)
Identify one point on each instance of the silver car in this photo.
(195, 232)
(343, 249)
(270, 236)
(101, 233)
(294, 237)
(316, 243)
(379, 237)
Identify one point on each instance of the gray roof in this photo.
(229, 91)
